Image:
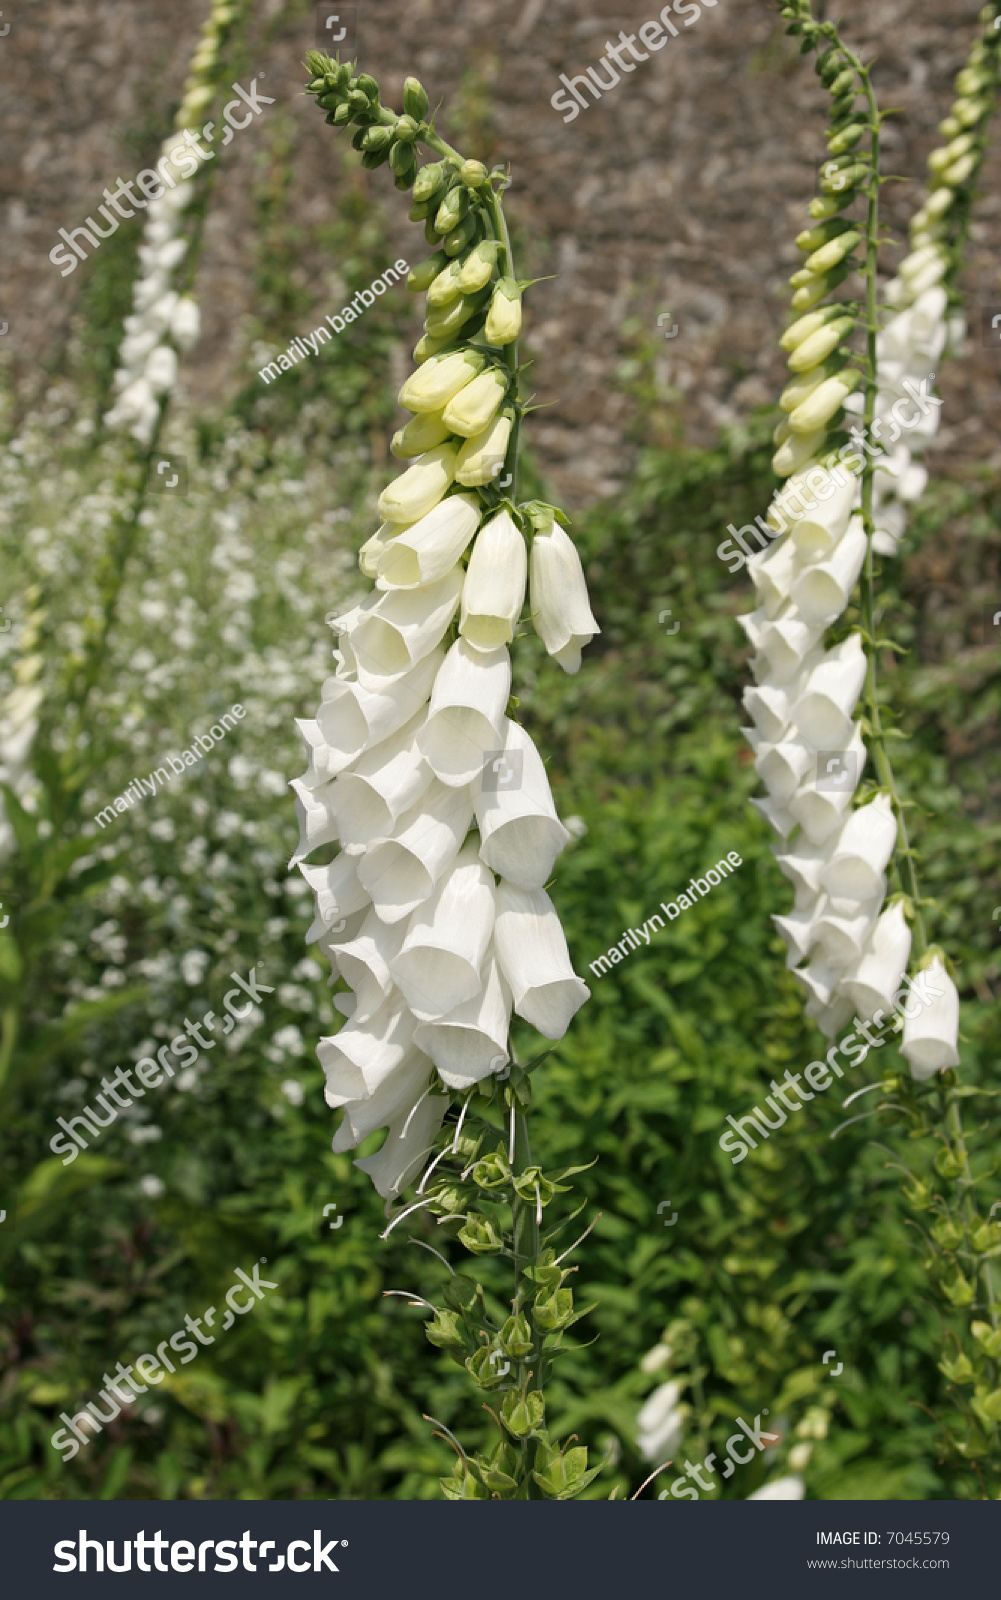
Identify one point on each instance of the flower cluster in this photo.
(847, 951)
(164, 321)
(928, 319)
(434, 911)
(19, 719)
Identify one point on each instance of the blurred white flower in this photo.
(293, 1091)
(152, 1187)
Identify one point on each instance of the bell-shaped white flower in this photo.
(769, 709)
(186, 323)
(661, 1423)
(400, 873)
(803, 864)
(832, 1017)
(434, 383)
(409, 1141)
(773, 573)
(337, 888)
(820, 811)
(874, 980)
(494, 589)
(439, 964)
(393, 1097)
(429, 549)
(340, 932)
(520, 833)
(782, 767)
(822, 591)
(402, 626)
(362, 958)
(787, 645)
(534, 960)
(386, 781)
(318, 754)
(376, 546)
(843, 930)
(820, 978)
(482, 457)
(418, 490)
(316, 816)
(561, 611)
(857, 865)
(471, 1041)
(476, 404)
(775, 815)
(799, 928)
(466, 712)
(823, 712)
(359, 1058)
(818, 509)
(135, 347)
(350, 717)
(931, 1036)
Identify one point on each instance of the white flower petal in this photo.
(429, 549)
(520, 833)
(494, 591)
(866, 844)
(466, 712)
(400, 873)
(930, 1038)
(823, 712)
(873, 982)
(534, 960)
(398, 1162)
(471, 1041)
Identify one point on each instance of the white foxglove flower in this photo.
(534, 960)
(429, 549)
(391, 1100)
(561, 611)
(930, 1038)
(363, 961)
(421, 433)
(787, 644)
(843, 930)
(820, 978)
(186, 323)
(400, 627)
(434, 383)
(472, 410)
(399, 873)
(820, 812)
(336, 887)
(782, 767)
(350, 717)
(439, 965)
(823, 712)
(773, 573)
(481, 459)
(821, 592)
(769, 708)
(875, 979)
(316, 816)
(386, 781)
(161, 369)
(408, 1143)
(418, 490)
(803, 864)
(520, 833)
(359, 1059)
(857, 865)
(775, 815)
(799, 929)
(471, 1041)
(660, 1424)
(494, 589)
(466, 712)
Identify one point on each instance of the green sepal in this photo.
(461, 1293)
(447, 1332)
(463, 1484)
(553, 1311)
(492, 1172)
(480, 1237)
(522, 1414)
(483, 1367)
(515, 1337)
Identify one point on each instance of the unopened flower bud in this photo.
(423, 275)
(478, 267)
(415, 100)
(452, 209)
(429, 180)
(504, 317)
(460, 237)
(406, 129)
(473, 174)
